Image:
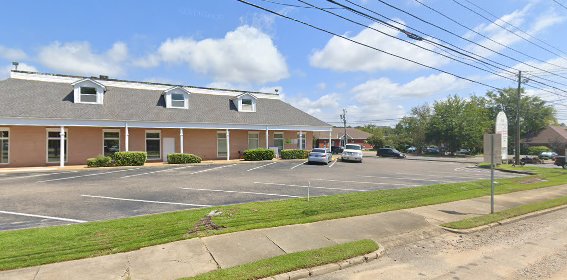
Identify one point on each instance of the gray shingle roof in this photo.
(21, 98)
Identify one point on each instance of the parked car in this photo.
(320, 155)
(411, 150)
(531, 160)
(390, 152)
(431, 150)
(463, 152)
(548, 155)
(560, 161)
(336, 150)
(352, 152)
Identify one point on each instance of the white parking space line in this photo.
(369, 183)
(158, 171)
(312, 187)
(411, 179)
(145, 201)
(257, 167)
(211, 169)
(241, 192)
(87, 175)
(36, 175)
(331, 165)
(299, 165)
(43, 217)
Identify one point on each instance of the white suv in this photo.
(352, 152)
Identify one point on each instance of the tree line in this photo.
(456, 122)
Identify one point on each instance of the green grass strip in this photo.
(31, 247)
(291, 262)
(506, 214)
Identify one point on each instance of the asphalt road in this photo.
(54, 198)
(534, 248)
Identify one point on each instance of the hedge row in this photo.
(258, 154)
(536, 150)
(183, 158)
(99, 161)
(294, 154)
(130, 158)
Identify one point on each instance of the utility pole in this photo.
(517, 154)
(343, 117)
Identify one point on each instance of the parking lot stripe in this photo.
(411, 179)
(370, 183)
(313, 187)
(257, 193)
(36, 175)
(299, 165)
(158, 171)
(43, 217)
(260, 166)
(210, 169)
(87, 175)
(146, 201)
(331, 165)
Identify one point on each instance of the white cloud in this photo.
(245, 55)
(79, 58)
(321, 86)
(342, 55)
(5, 71)
(316, 107)
(12, 54)
(374, 91)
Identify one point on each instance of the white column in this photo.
(227, 144)
(330, 139)
(301, 140)
(126, 138)
(62, 147)
(181, 140)
(267, 137)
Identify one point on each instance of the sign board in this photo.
(502, 129)
(489, 152)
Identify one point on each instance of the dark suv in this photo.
(390, 152)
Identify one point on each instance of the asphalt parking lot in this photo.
(66, 197)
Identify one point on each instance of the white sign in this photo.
(502, 129)
(492, 141)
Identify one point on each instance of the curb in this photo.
(457, 161)
(503, 222)
(328, 268)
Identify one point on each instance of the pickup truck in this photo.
(560, 161)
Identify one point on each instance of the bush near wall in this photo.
(130, 158)
(178, 158)
(294, 154)
(258, 154)
(99, 161)
(536, 150)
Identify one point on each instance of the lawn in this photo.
(291, 262)
(30, 247)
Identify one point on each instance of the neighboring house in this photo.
(40, 113)
(355, 136)
(554, 137)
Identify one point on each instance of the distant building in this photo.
(355, 136)
(554, 137)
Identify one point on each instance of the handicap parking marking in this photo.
(242, 192)
(158, 171)
(312, 187)
(87, 175)
(43, 217)
(369, 183)
(303, 163)
(35, 175)
(261, 166)
(145, 201)
(211, 169)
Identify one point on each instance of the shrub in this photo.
(259, 154)
(130, 158)
(536, 150)
(183, 158)
(293, 154)
(99, 161)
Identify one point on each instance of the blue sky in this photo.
(224, 43)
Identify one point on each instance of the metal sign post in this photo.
(492, 154)
(492, 136)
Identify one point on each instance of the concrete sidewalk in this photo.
(195, 256)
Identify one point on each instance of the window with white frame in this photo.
(178, 100)
(301, 141)
(221, 144)
(253, 140)
(88, 95)
(279, 140)
(111, 142)
(54, 145)
(4, 146)
(153, 144)
(247, 105)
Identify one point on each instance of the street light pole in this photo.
(343, 117)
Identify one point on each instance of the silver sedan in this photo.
(320, 155)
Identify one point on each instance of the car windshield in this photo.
(395, 151)
(318, 151)
(353, 147)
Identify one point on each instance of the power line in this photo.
(365, 45)
(560, 4)
(292, 5)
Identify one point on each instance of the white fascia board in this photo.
(89, 80)
(141, 124)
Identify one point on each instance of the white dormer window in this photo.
(88, 91)
(176, 97)
(246, 102)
